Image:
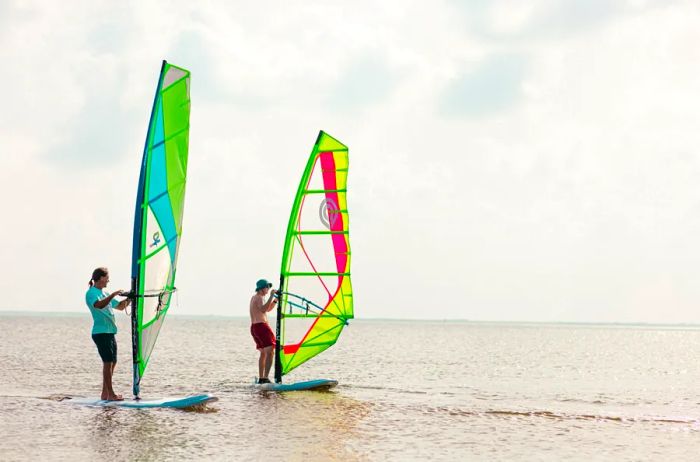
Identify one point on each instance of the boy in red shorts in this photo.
(259, 328)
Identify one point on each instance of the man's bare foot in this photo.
(115, 397)
(104, 396)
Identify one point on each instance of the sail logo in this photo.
(328, 212)
(156, 239)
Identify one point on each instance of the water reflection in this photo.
(133, 433)
(311, 425)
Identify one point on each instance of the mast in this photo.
(278, 344)
(135, 337)
(137, 245)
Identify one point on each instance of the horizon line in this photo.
(465, 320)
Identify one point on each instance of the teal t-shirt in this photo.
(104, 322)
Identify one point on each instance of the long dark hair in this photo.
(97, 274)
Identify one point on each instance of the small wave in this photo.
(57, 397)
(578, 400)
(569, 416)
(54, 397)
(377, 387)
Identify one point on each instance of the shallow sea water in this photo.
(408, 391)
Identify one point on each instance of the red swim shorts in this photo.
(262, 334)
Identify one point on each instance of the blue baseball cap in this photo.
(261, 284)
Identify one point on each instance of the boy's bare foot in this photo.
(115, 397)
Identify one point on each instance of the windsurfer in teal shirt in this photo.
(101, 305)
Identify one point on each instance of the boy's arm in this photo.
(271, 302)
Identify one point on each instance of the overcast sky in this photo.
(509, 160)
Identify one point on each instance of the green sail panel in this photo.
(316, 298)
(159, 210)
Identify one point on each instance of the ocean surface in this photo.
(408, 391)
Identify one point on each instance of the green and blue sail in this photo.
(159, 210)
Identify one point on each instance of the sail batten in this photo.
(159, 208)
(316, 260)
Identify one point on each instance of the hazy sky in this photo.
(509, 160)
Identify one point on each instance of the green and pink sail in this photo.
(316, 298)
(159, 210)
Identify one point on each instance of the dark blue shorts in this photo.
(106, 346)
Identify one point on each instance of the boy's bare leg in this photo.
(268, 361)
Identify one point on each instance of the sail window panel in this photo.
(172, 74)
(311, 289)
(157, 275)
(157, 261)
(314, 253)
(149, 335)
(155, 237)
(319, 290)
(299, 263)
(324, 331)
(156, 302)
(149, 310)
(316, 288)
(321, 212)
(316, 179)
(295, 329)
(321, 335)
